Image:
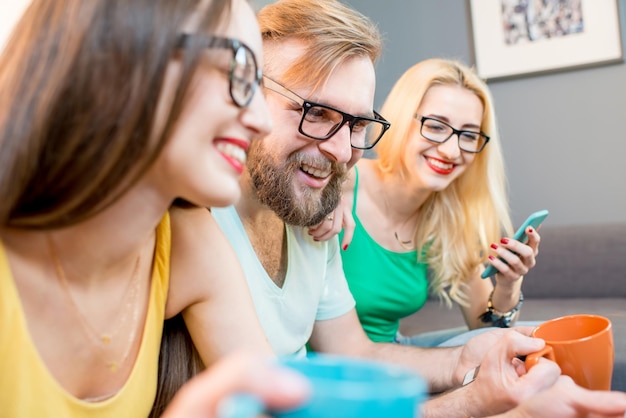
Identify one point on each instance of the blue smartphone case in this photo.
(534, 220)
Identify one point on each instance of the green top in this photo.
(386, 285)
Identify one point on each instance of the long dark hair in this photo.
(79, 86)
(179, 361)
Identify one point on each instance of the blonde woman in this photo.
(432, 208)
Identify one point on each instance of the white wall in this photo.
(257, 4)
(10, 11)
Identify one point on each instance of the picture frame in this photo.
(513, 38)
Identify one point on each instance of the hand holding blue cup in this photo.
(345, 388)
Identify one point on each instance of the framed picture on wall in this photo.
(512, 38)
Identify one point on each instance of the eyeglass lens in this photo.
(322, 122)
(437, 131)
(244, 75)
(243, 82)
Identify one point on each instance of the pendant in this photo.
(106, 339)
(407, 245)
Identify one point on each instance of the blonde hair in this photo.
(456, 225)
(333, 32)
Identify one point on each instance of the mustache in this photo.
(273, 182)
(338, 170)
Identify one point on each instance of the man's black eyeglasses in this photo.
(438, 131)
(244, 75)
(322, 122)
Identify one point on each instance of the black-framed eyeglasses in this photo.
(322, 122)
(244, 75)
(439, 132)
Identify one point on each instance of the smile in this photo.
(315, 172)
(439, 166)
(232, 151)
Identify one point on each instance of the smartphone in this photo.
(534, 220)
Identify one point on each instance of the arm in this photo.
(345, 336)
(206, 283)
(497, 388)
(506, 294)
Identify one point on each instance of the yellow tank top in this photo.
(28, 390)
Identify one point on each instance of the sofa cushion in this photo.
(579, 261)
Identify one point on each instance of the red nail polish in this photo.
(491, 257)
(494, 246)
(530, 230)
(345, 247)
(504, 240)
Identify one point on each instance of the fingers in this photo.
(503, 379)
(515, 258)
(533, 239)
(543, 375)
(348, 230)
(524, 330)
(523, 382)
(520, 367)
(539, 377)
(601, 402)
(518, 344)
(328, 228)
(507, 343)
(565, 399)
(240, 373)
(340, 218)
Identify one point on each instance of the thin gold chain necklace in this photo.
(407, 245)
(130, 309)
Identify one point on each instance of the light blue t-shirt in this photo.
(315, 287)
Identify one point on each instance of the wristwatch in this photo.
(497, 318)
(470, 376)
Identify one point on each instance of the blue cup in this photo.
(345, 388)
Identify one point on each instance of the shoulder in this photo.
(191, 229)
(199, 251)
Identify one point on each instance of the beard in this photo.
(273, 183)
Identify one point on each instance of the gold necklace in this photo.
(103, 340)
(407, 245)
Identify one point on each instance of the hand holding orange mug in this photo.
(582, 345)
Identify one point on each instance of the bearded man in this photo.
(319, 85)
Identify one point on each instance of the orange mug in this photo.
(582, 346)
